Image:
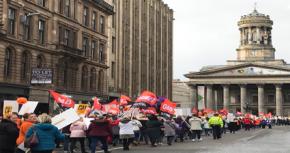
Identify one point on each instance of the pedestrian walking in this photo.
(136, 127)
(8, 135)
(126, 132)
(47, 135)
(153, 129)
(195, 127)
(78, 134)
(216, 123)
(169, 130)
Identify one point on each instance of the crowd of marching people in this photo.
(18, 134)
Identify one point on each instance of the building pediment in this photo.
(248, 69)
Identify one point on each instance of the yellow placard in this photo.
(7, 111)
(82, 109)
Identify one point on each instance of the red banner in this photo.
(124, 100)
(147, 97)
(168, 107)
(150, 110)
(97, 104)
(114, 111)
(113, 104)
(63, 100)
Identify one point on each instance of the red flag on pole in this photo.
(113, 104)
(168, 107)
(150, 110)
(124, 100)
(97, 104)
(63, 100)
(147, 97)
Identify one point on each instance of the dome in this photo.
(255, 19)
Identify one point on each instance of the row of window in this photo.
(96, 79)
(9, 63)
(27, 22)
(94, 49)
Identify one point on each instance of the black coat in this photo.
(8, 135)
(154, 128)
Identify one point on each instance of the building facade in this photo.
(67, 37)
(255, 82)
(181, 94)
(141, 48)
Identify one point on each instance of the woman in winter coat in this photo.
(169, 130)
(47, 134)
(137, 125)
(8, 135)
(78, 133)
(153, 129)
(195, 123)
(126, 132)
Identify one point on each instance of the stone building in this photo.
(255, 82)
(181, 94)
(141, 54)
(67, 37)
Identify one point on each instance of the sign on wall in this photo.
(41, 76)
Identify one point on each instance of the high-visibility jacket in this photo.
(215, 120)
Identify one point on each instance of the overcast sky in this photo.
(206, 31)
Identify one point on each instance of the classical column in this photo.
(226, 89)
(243, 89)
(194, 95)
(261, 103)
(279, 111)
(209, 97)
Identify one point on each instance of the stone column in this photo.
(226, 89)
(209, 97)
(279, 111)
(261, 103)
(194, 95)
(243, 89)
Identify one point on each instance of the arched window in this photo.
(101, 80)
(93, 78)
(8, 63)
(25, 65)
(84, 83)
(40, 61)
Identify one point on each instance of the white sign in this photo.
(66, 118)
(9, 107)
(88, 121)
(28, 107)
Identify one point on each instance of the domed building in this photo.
(255, 82)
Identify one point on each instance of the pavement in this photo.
(274, 140)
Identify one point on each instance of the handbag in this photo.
(32, 140)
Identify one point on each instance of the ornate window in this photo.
(84, 83)
(11, 21)
(41, 31)
(86, 16)
(93, 79)
(41, 2)
(101, 81)
(27, 28)
(93, 49)
(102, 24)
(8, 63)
(94, 20)
(25, 66)
(86, 46)
(101, 53)
(40, 61)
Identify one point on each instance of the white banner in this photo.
(66, 118)
(28, 107)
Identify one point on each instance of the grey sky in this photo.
(206, 31)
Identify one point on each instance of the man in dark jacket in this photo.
(8, 135)
(99, 130)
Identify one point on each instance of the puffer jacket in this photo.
(169, 128)
(47, 134)
(78, 130)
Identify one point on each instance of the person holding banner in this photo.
(47, 135)
(8, 135)
(126, 132)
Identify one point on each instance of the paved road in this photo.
(276, 140)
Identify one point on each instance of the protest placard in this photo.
(28, 107)
(66, 118)
(9, 107)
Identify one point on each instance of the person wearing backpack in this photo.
(47, 135)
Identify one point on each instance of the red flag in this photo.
(97, 104)
(168, 107)
(224, 112)
(124, 100)
(150, 110)
(147, 97)
(113, 104)
(114, 111)
(63, 100)
(194, 110)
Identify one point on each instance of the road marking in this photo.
(118, 148)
